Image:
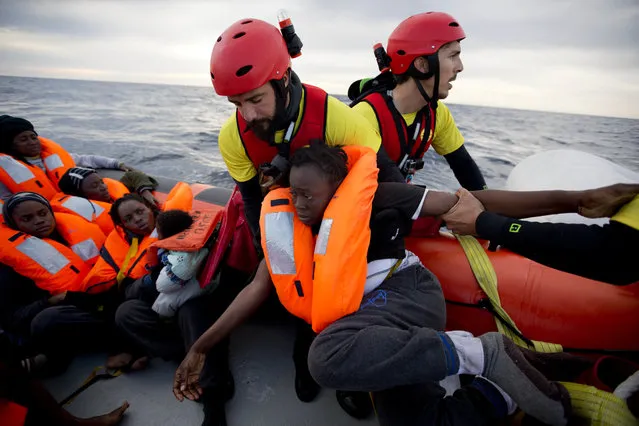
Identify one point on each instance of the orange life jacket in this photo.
(205, 222)
(116, 188)
(18, 176)
(52, 266)
(93, 211)
(121, 258)
(322, 279)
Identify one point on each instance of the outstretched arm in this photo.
(187, 376)
(599, 202)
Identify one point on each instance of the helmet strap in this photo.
(433, 71)
(292, 93)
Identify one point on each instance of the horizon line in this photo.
(332, 94)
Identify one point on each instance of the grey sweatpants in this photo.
(391, 347)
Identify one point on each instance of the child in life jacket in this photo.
(177, 281)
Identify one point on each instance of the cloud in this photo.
(559, 55)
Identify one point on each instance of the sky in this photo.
(576, 56)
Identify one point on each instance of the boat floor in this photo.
(260, 358)
(262, 366)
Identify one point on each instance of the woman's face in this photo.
(311, 192)
(34, 218)
(136, 217)
(94, 188)
(27, 144)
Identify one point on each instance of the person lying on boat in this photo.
(404, 102)
(275, 115)
(379, 313)
(44, 258)
(604, 253)
(29, 162)
(86, 194)
(86, 182)
(25, 401)
(166, 322)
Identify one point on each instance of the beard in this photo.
(262, 128)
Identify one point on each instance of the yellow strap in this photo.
(133, 249)
(600, 407)
(97, 371)
(487, 278)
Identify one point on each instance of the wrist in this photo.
(575, 200)
(199, 347)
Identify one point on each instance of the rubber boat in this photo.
(547, 305)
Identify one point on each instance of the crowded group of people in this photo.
(91, 263)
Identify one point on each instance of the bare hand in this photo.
(58, 298)
(606, 201)
(462, 216)
(186, 382)
(124, 167)
(148, 195)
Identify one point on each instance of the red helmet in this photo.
(421, 35)
(248, 54)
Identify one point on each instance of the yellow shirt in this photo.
(343, 127)
(629, 214)
(447, 137)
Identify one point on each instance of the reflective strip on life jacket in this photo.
(86, 249)
(83, 207)
(52, 162)
(279, 242)
(44, 254)
(17, 171)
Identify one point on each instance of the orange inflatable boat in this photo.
(546, 304)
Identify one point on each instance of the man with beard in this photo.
(276, 115)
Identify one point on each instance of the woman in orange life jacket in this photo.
(380, 331)
(43, 259)
(88, 195)
(29, 162)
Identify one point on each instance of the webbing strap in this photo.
(487, 278)
(133, 249)
(98, 373)
(600, 407)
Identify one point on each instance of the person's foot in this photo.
(508, 367)
(140, 363)
(356, 404)
(306, 387)
(126, 361)
(121, 360)
(109, 419)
